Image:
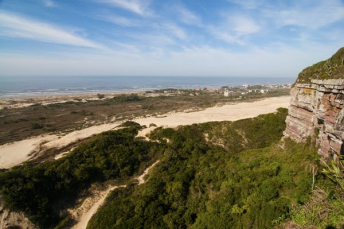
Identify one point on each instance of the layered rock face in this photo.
(316, 111)
(316, 107)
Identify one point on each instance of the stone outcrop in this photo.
(316, 111)
(316, 107)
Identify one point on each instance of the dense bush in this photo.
(127, 98)
(201, 185)
(212, 175)
(43, 190)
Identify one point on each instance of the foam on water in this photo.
(43, 86)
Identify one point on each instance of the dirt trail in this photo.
(90, 206)
(140, 178)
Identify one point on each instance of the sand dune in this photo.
(18, 152)
(90, 206)
(224, 113)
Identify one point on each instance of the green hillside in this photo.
(332, 68)
(213, 175)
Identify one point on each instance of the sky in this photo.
(231, 38)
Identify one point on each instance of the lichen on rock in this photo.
(316, 107)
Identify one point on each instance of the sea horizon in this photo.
(20, 86)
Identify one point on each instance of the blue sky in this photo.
(276, 38)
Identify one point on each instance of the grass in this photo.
(332, 68)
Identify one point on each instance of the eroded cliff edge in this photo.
(316, 107)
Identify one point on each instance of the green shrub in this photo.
(42, 191)
(36, 126)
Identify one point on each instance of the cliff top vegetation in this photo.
(332, 68)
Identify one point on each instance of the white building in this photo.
(227, 92)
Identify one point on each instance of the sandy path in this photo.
(91, 204)
(17, 152)
(140, 178)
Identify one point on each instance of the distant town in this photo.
(226, 91)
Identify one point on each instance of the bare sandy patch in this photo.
(231, 112)
(18, 152)
(140, 178)
(90, 206)
(80, 134)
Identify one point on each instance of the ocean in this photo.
(43, 86)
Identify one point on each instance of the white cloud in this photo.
(200, 61)
(136, 6)
(314, 16)
(243, 25)
(118, 20)
(49, 3)
(153, 40)
(17, 26)
(247, 4)
(187, 16)
(191, 61)
(175, 30)
(235, 28)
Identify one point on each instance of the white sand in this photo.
(18, 152)
(90, 206)
(224, 113)
(80, 134)
(140, 178)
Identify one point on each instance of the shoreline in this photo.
(232, 112)
(25, 101)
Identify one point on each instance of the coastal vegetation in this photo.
(211, 175)
(332, 68)
(21, 123)
(44, 191)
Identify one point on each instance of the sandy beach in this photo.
(18, 102)
(17, 152)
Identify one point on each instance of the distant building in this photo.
(226, 92)
(245, 85)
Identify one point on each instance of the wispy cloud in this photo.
(235, 28)
(188, 17)
(247, 4)
(139, 7)
(152, 40)
(49, 3)
(17, 26)
(315, 15)
(118, 20)
(175, 30)
(272, 62)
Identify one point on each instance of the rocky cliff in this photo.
(316, 108)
